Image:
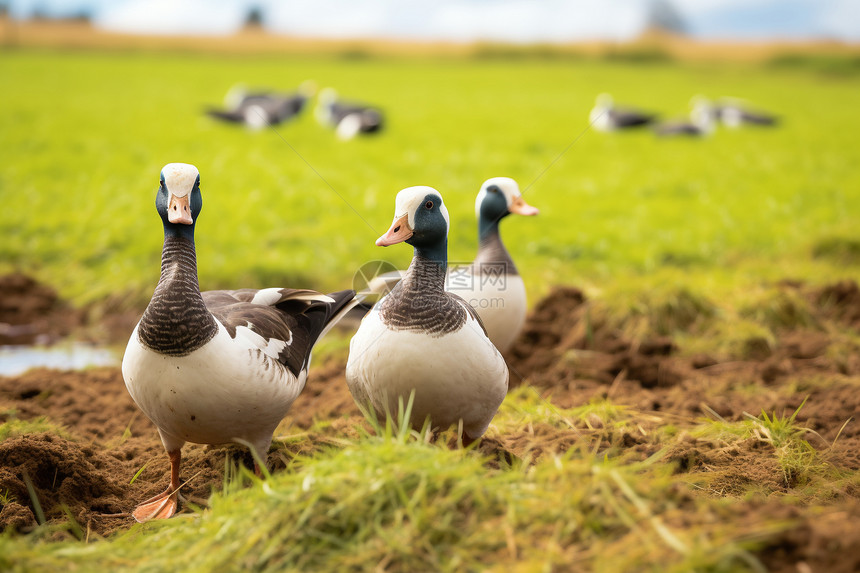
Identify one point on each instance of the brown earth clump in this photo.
(106, 440)
(840, 301)
(32, 313)
(823, 541)
(563, 340)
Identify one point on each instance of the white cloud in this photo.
(460, 20)
(840, 18)
(702, 7)
(331, 18)
(173, 16)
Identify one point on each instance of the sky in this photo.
(517, 21)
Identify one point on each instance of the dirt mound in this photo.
(572, 354)
(730, 468)
(564, 340)
(65, 476)
(110, 440)
(840, 301)
(93, 402)
(826, 542)
(32, 313)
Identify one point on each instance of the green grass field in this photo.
(647, 227)
(84, 136)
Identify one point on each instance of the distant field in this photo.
(80, 34)
(84, 136)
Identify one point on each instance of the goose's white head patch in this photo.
(409, 200)
(179, 178)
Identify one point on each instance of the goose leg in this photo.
(165, 504)
(260, 450)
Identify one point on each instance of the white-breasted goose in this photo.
(217, 366)
(420, 338)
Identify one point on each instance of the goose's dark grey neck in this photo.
(425, 275)
(492, 251)
(419, 302)
(436, 253)
(176, 322)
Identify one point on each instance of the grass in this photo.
(389, 498)
(795, 455)
(430, 508)
(14, 427)
(85, 135)
(806, 474)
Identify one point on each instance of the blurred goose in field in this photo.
(348, 118)
(734, 112)
(421, 338)
(261, 109)
(605, 116)
(701, 121)
(218, 366)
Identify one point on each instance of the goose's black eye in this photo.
(428, 205)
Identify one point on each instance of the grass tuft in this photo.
(15, 427)
(660, 310)
(841, 250)
(779, 309)
(797, 458)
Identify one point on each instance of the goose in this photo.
(605, 116)
(218, 366)
(421, 338)
(734, 113)
(701, 121)
(348, 118)
(491, 284)
(261, 109)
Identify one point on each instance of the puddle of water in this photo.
(16, 360)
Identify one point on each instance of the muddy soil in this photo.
(106, 456)
(32, 313)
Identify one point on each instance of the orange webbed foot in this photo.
(162, 506)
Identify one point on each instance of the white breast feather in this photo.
(460, 375)
(216, 394)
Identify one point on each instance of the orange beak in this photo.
(179, 210)
(520, 207)
(397, 233)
